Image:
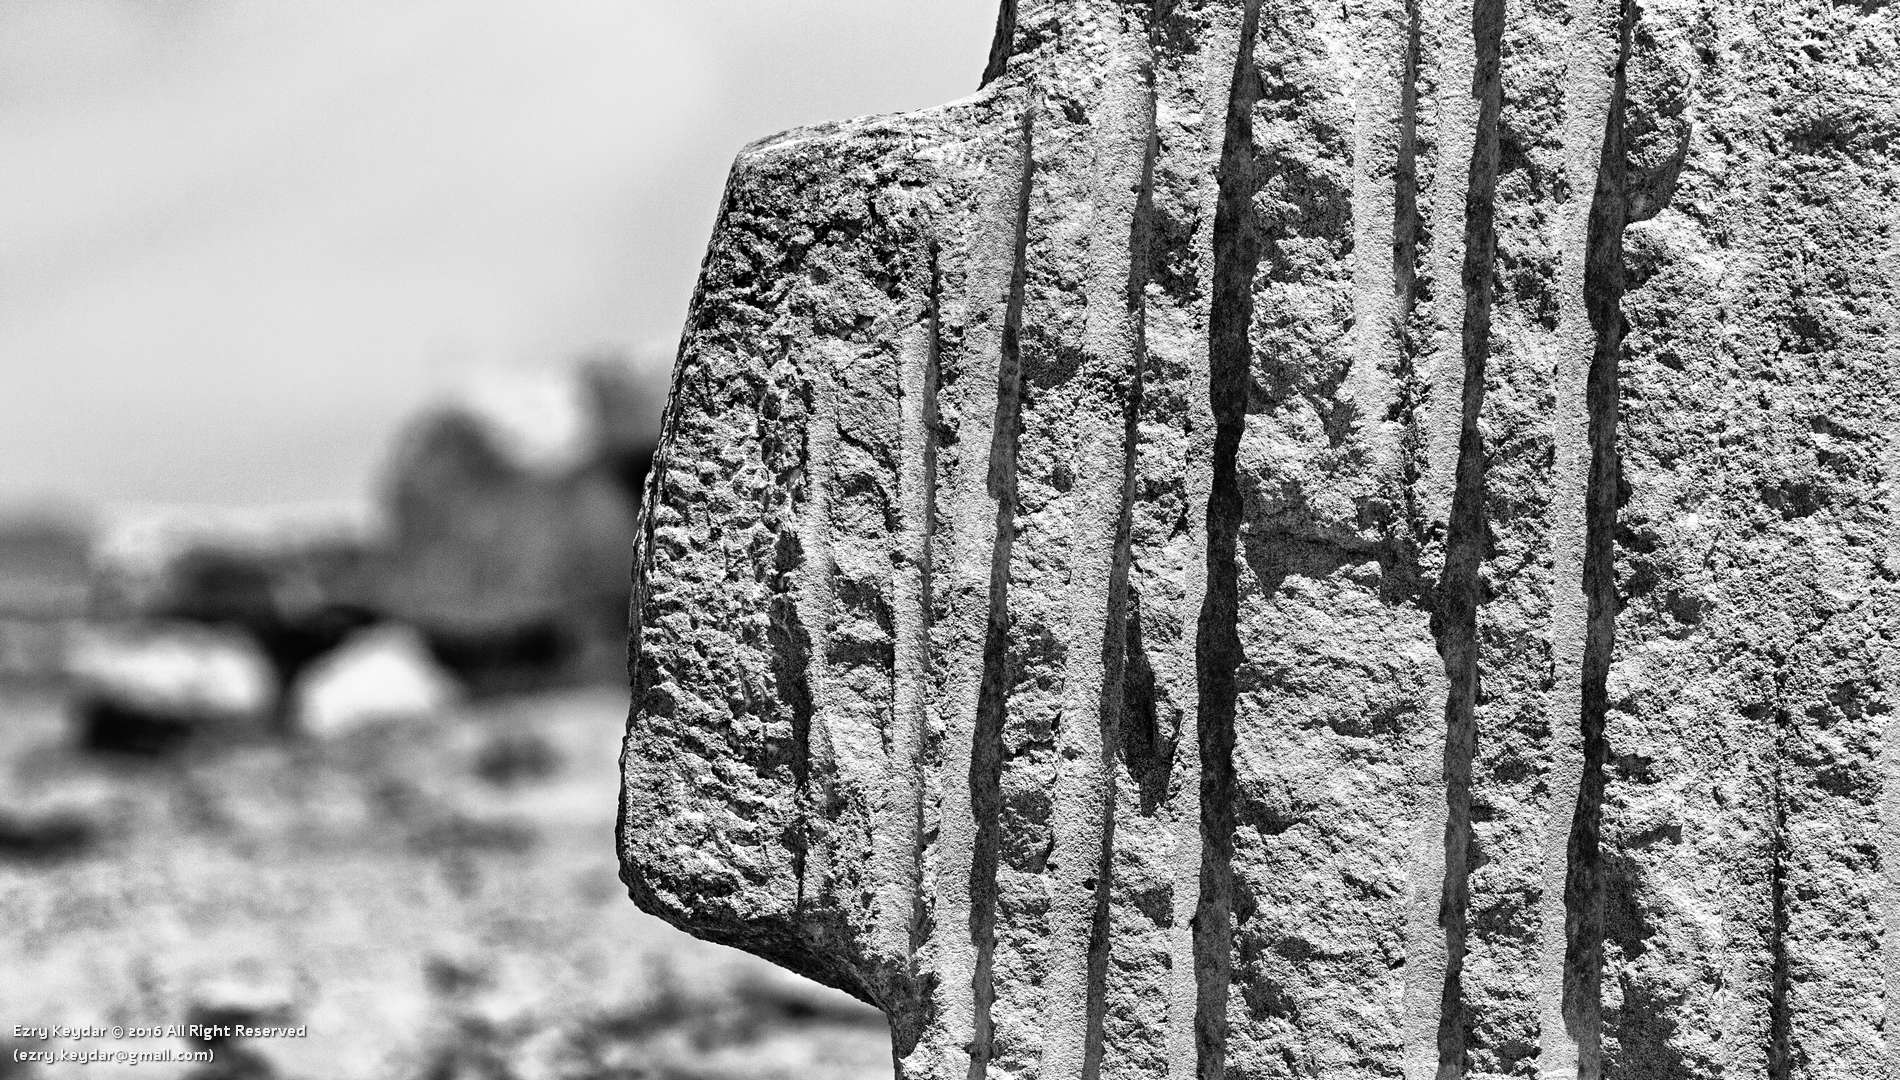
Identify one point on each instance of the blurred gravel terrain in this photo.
(436, 900)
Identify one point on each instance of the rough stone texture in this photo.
(1303, 541)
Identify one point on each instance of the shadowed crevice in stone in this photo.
(791, 671)
(791, 654)
(986, 753)
(1217, 641)
(1460, 588)
(1407, 228)
(1411, 235)
(1604, 283)
(922, 984)
(1147, 752)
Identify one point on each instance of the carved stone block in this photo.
(1314, 540)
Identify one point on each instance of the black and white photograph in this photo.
(986, 540)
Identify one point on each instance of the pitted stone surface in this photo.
(1303, 541)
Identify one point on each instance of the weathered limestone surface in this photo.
(1306, 540)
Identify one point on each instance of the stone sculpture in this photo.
(1306, 540)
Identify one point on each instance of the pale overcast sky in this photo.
(241, 239)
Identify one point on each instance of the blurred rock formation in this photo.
(380, 675)
(43, 589)
(514, 571)
(496, 560)
(155, 685)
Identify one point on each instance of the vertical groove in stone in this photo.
(927, 760)
(1116, 627)
(791, 656)
(932, 420)
(1395, 272)
(790, 640)
(1405, 222)
(1423, 1004)
(1377, 93)
(803, 585)
(1603, 296)
(913, 757)
(1460, 586)
(1217, 643)
(1114, 655)
(1069, 583)
(1586, 87)
(986, 756)
(976, 260)
(1888, 605)
(1153, 981)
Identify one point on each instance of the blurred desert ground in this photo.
(360, 776)
(332, 348)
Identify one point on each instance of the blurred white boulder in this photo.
(379, 675)
(175, 668)
(146, 687)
